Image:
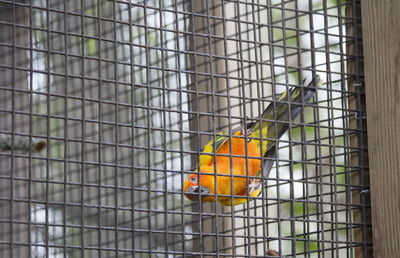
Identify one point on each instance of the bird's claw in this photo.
(254, 185)
(244, 131)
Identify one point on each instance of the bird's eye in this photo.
(193, 179)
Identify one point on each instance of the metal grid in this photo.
(125, 94)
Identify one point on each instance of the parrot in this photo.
(235, 175)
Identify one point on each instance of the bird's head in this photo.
(202, 186)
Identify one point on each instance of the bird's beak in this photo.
(195, 190)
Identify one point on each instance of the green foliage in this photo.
(91, 47)
(306, 244)
(299, 208)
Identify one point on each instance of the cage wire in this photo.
(106, 105)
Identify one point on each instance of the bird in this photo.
(229, 168)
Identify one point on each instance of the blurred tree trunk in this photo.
(12, 167)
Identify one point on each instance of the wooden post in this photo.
(358, 140)
(381, 38)
(204, 63)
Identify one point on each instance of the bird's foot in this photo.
(244, 131)
(254, 185)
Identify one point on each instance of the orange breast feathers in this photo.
(238, 163)
(239, 167)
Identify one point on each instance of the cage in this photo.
(106, 106)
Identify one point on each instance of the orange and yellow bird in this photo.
(230, 167)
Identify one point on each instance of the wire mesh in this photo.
(105, 107)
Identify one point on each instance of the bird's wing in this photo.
(214, 145)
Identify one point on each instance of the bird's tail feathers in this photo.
(280, 112)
